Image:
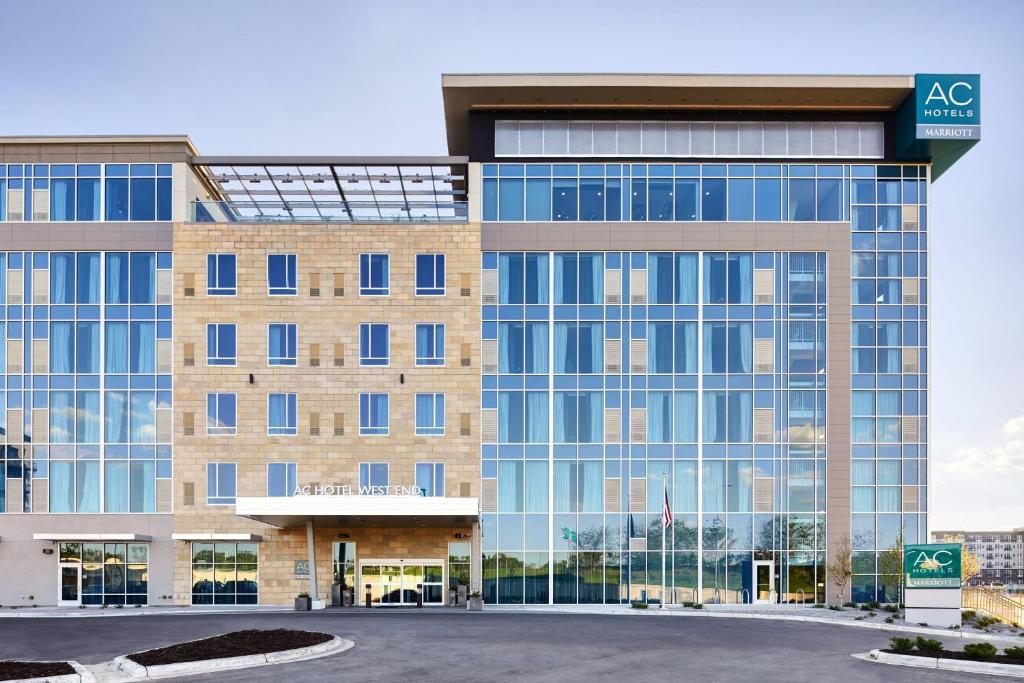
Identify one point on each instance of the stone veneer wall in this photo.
(326, 320)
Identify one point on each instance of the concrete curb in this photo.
(686, 612)
(137, 671)
(81, 675)
(990, 668)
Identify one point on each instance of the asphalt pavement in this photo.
(455, 645)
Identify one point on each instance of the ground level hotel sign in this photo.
(931, 574)
(932, 565)
(948, 106)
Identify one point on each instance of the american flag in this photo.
(666, 512)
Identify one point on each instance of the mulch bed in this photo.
(235, 644)
(12, 671)
(954, 654)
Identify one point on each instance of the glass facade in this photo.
(886, 206)
(86, 349)
(85, 192)
(620, 373)
(696, 192)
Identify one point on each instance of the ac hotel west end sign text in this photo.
(948, 106)
(346, 490)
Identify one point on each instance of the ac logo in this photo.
(950, 96)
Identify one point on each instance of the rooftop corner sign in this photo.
(932, 565)
(948, 106)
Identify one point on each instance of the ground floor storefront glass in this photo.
(787, 565)
(103, 573)
(225, 574)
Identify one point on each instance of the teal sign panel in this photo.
(948, 106)
(932, 565)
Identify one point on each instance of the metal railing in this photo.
(992, 601)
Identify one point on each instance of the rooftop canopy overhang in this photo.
(360, 511)
(333, 189)
(798, 93)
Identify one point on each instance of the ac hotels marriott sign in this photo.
(948, 106)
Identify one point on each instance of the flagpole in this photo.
(664, 532)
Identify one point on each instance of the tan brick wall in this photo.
(324, 320)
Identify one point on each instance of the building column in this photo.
(311, 547)
(476, 561)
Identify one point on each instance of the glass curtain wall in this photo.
(705, 384)
(85, 348)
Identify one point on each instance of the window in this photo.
(281, 479)
(430, 414)
(220, 344)
(281, 343)
(430, 344)
(221, 275)
(221, 415)
(112, 573)
(373, 275)
(373, 414)
(232, 581)
(430, 275)
(220, 483)
(430, 478)
(281, 415)
(281, 277)
(373, 344)
(372, 474)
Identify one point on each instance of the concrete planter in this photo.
(475, 604)
(303, 604)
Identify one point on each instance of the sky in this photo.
(363, 78)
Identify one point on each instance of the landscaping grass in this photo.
(956, 654)
(12, 671)
(235, 644)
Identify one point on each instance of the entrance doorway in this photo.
(764, 582)
(398, 583)
(69, 585)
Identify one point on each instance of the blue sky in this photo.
(303, 77)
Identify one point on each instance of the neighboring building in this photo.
(1000, 554)
(231, 379)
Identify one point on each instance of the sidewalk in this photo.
(73, 612)
(847, 617)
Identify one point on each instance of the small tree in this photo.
(839, 569)
(970, 565)
(890, 566)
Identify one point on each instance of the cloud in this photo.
(1005, 456)
(1014, 426)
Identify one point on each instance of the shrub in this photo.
(874, 604)
(872, 614)
(835, 608)
(636, 604)
(901, 645)
(850, 604)
(865, 607)
(889, 620)
(698, 605)
(929, 645)
(1017, 652)
(980, 650)
(968, 614)
(818, 605)
(985, 621)
(892, 609)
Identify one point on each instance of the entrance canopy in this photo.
(360, 511)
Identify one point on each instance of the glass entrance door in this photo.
(69, 587)
(398, 583)
(764, 582)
